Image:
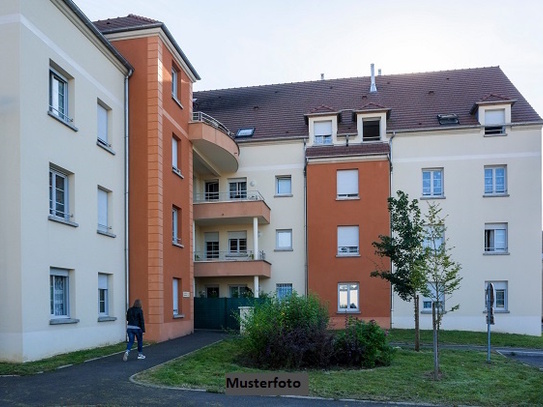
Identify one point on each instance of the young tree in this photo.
(404, 248)
(441, 272)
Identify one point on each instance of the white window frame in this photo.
(366, 121)
(491, 177)
(283, 290)
(176, 143)
(501, 291)
(238, 289)
(103, 112)
(237, 188)
(491, 246)
(283, 239)
(283, 185)
(239, 239)
(432, 190)
(212, 245)
(57, 107)
(54, 176)
(176, 239)
(104, 224)
(495, 121)
(103, 295)
(59, 296)
(322, 132)
(427, 301)
(347, 184)
(351, 289)
(348, 241)
(175, 296)
(175, 83)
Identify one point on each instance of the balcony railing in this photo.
(205, 118)
(228, 196)
(217, 255)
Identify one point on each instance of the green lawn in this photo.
(467, 378)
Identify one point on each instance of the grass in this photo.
(466, 377)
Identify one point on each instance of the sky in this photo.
(238, 43)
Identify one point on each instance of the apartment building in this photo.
(62, 227)
(160, 173)
(466, 139)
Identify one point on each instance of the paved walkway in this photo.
(106, 381)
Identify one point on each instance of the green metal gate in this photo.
(217, 313)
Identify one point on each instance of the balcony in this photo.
(215, 150)
(228, 207)
(228, 264)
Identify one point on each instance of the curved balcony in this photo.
(215, 149)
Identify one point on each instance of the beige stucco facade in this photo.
(38, 36)
(462, 155)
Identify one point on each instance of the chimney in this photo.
(373, 87)
(322, 76)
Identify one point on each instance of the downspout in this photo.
(126, 174)
(390, 227)
(306, 271)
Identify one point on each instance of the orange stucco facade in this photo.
(154, 188)
(325, 213)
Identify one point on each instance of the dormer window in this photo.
(371, 129)
(494, 121)
(323, 132)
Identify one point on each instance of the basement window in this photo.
(448, 119)
(245, 132)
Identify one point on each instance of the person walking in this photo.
(135, 328)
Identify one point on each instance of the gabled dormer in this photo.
(371, 122)
(493, 113)
(322, 122)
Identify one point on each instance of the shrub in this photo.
(290, 333)
(362, 344)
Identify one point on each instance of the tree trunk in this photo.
(435, 329)
(417, 327)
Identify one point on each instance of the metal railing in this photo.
(228, 196)
(223, 255)
(205, 118)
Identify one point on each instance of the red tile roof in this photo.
(414, 101)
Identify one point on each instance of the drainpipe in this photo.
(390, 227)
(256, 256)
(306, 288)
(126, 174)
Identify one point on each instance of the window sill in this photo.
(104, 233)
(67, 124)
(495, 195)
(496, 311)
(283, 196)
(432, 197)
(106, 319)
(283, 250)
(343, 312)
(348, 255)
(348, 198)
(496, 253)
(63, 221)
(177, 172)
(106, 147)
(177, 245)
(63, 321)
(177, 101)
(496, 135)
(178, 316)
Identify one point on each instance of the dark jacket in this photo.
(134, 317)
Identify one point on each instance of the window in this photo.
(371, 130)
(176, 143)
(239, 291)
(500, 295)
(59, 289)
(103, 125)
(103, 300)
(58, 194)
(427, 301)
(283, 239)
(347, 240)
(175, 296)
(58, 96)
(432, 182)
(323, 132)
(175, 83)
(283, 185)
(238, 188)
(237, 243)
(212, 291)
(438, 240)
(348, 297)
(496, 237)
(347, 183)
(494, 121)
(176, 238)
(283, 290)
(212, 245)
(496, 180)
(103, 211)
(245, 132)
(212, 190)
